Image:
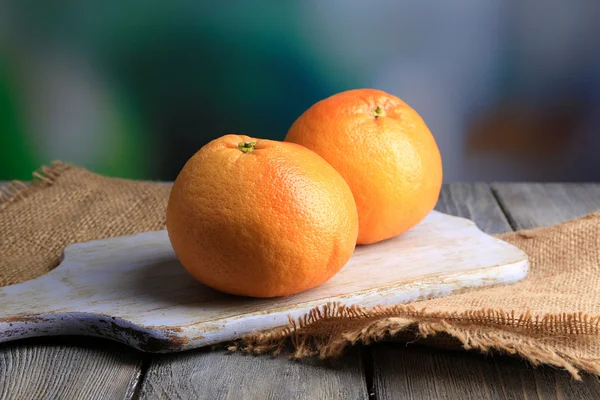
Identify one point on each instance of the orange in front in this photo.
(384, 151)
(261, 218)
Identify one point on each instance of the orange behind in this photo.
(384, 151)
(273, 220)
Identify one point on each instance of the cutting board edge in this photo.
(434, 287)
(162, 339)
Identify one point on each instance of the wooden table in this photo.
(90, 368)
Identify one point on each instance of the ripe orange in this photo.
(261, 218)
(385, 152)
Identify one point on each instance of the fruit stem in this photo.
(246, 147)
(379, 112)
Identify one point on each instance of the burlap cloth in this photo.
(551, 317)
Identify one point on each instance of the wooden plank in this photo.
(202, 374)
(519, 380)
(424, 373)
(418, 372)
(530, 205)
(68, 368)
(476, 202)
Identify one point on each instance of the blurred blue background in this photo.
(510, 89)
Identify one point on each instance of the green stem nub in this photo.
(379, 112)
(246, 147)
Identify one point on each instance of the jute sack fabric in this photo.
(552, 317)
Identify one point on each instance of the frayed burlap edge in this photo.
(327, 330)
(44, 177)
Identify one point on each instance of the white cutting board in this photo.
(132, 289)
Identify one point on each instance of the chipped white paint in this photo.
(133, 289)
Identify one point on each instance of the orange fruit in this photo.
(385, 152)
(261, 218)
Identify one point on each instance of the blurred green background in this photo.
(510, 89)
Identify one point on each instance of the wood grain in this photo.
(476, 202)
(418, 372)
(531, 205)
(202, 374)
(68, 368)
(425, 373)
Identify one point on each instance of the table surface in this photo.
(91, 368)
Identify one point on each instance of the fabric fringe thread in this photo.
(325, 332)
(43, 177)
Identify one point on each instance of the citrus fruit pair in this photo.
(264, 218)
